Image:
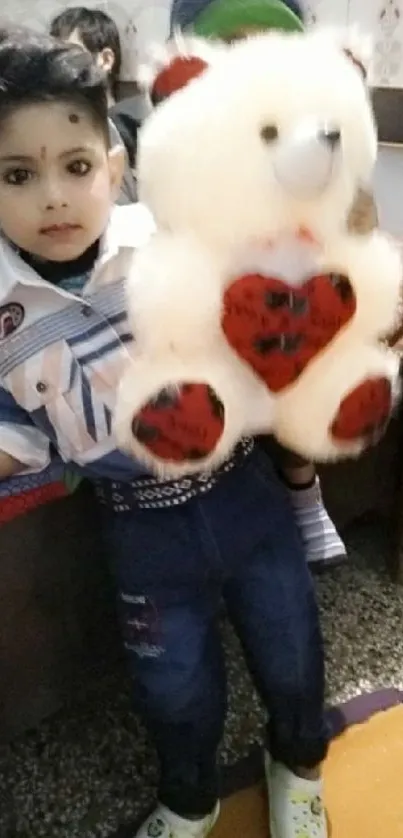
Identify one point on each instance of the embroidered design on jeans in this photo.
(142, 631)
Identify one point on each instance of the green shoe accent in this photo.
(71, 480)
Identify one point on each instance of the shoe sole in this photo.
(214, 818)
(320, 566)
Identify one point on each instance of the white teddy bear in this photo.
(253, 309)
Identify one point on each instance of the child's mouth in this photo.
(60, 230)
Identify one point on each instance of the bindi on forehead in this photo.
(74, 118)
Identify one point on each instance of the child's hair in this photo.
(96, 30)
(35, 69)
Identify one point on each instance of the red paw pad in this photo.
(182, 424)
(278, 329)
(365, 412)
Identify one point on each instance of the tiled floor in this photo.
(90, 770)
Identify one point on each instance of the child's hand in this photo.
(363, 217)
(9, 466)
(396, 340)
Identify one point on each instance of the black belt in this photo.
(151, 493)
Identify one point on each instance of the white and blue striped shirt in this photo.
(62, 355)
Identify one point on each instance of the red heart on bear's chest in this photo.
(278, 328)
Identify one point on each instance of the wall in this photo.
(388, 187)
(382, 19)
(142, 21)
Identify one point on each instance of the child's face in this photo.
(57, 180)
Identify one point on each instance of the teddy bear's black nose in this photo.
(331, 137)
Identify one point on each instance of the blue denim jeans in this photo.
(173, 566)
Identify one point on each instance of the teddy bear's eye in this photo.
(269, 133)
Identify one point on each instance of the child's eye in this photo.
(17, 177)
(80, 168)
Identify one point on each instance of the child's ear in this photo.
(174, 65)
(117, 159)
(106, 59)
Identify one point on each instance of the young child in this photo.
(230, 20)
(178, 546)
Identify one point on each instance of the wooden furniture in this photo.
(371, 486)
(57, 626)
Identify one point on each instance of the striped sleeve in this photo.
(19, 437)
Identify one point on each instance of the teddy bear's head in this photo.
(259, 137)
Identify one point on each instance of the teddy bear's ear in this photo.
(174, 65)
(358, 48)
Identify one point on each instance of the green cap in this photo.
(224, 18)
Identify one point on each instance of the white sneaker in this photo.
(163, 823)
(296, 805)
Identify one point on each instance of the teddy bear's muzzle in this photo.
(306, 162)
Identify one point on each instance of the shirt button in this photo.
(41, 387)
(86, 311)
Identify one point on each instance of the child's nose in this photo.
(53, 195)
(51, 205)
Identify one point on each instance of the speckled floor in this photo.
(90, 771)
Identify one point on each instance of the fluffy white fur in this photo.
(174, 295)
(305, 412)
(222, 209)
(202, 165)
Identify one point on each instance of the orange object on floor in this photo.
(363, 786)
(364, 779)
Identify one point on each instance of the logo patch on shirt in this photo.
(11, 317)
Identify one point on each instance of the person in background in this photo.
(99, 34)
(229, 20)
(94, 30)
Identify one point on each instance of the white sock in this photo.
(320, 538)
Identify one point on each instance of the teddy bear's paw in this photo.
(341, 404)
(278, 328)
(182, 423)
(365, 412)
(181, 416)
(374, 266)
